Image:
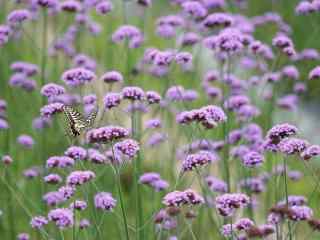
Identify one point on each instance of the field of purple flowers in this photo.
(198, 129)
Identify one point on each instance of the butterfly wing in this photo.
(91, 118)
(75, 120)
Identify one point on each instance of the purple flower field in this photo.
(159, 119)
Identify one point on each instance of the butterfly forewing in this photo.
(92, 116)
(75, 120)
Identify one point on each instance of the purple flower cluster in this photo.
(60, 162)
(199, 159)
(75, 152)
(179, 198)
(128, 148)
(128, 33)
(63, 217)
(154, 180)
(227, 203)
(106, 134)
(78, 76)
(80, 177)
(104, 201)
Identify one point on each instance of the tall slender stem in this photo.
(286, 193)
(124, 216)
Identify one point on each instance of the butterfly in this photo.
(78, 123)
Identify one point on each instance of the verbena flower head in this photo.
(304, 8)
(179, 198)
(71, 6)
(243, 224)
(255, 185)
(78, 76)
(291, 146)
(6, 159)
(288, 102)
(112, 100)
(38, 222)
(75, 152)
(227, 203)
(31, 173)
(133, 93)
(47, 3)
(104, 7)
(310, 152)
(252, 159)
(84, 223)
(53, 178)
(26, 141)
(52, 89)
(26, 68)
(112, 77)
(104, 201)
(128, 148)
(106, 134)
(78, 205)
(63, 217)
(235, 102)
(216, 185)
(96, 157)
(53, 198)
(3, 124)
(66, 191)
(153, 97)
(199, 159)
(17, 17)
(130, 33)
(153, 123)
(300, 213)
(194, 9)
(315, 73)
(49, 110)
(218, 20)
(60, 162)
(291, 72)
(281, 131)
(23, 236)
(80, 177)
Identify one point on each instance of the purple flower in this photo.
(314, 73)
(52, 89)
(217, 20)
(23, 236)
(300, 213)
(60, 162)
(104, 7)
(53, 198)
(6, 159)
(106, 134)
(133, 93)
(71, 6)
(175, 93)
(112, 100)
(280, 131)
(189, 39)
(38, 222)
(63, 217)
(178, 198)
(166, 31)
(216, 185)
(156, 138)
(90, 99)
(255, 185)
(304, 8)
(148, 178)
(3, 124)
(194, 9)
(18, 16)
(53, 178)
(159, 185)
(295, 175)
(31, 172)
(309, 54)
(78, 205)
(104, 201)
(227, 203)
(26, 141)
(112, 77)
(78, 76)
(291, 72)
(244, 224)
(153, 123)
(299, 88)
(26, 68)
(252, 159)
(131, 33)
(310, 152)
(80, 177)
(48, 110)
(128, 147)
(84, 223)
(291, 146)
(209, 116)
(47, 3)
(227, 230)
(96, 157)
(153, 97)
(235, 102)
(198, 159)
(75, 152)
(288, 102)
(66, 191)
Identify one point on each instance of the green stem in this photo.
(124, 216)
(286, 192)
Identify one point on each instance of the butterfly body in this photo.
(77, 123)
